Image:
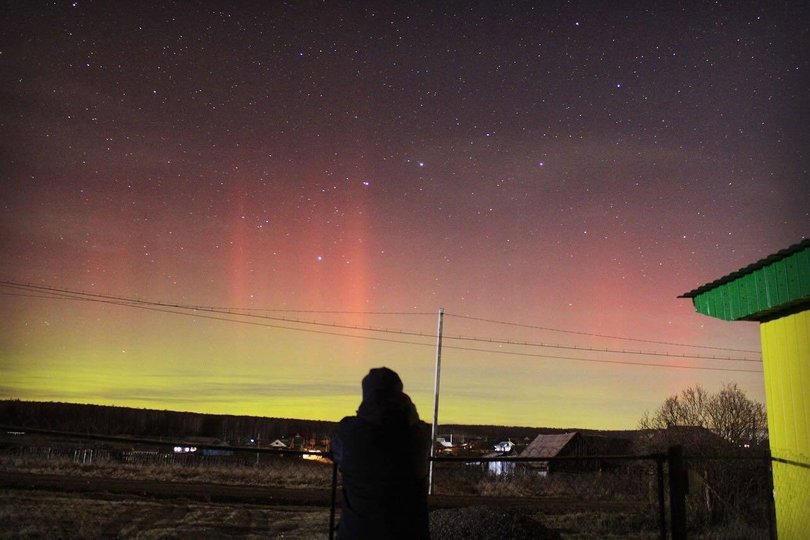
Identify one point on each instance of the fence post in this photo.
(771, 503)
(334, 500)
(662, 511)
(677, 492)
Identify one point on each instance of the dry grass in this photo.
(277, 472)
(633, 485)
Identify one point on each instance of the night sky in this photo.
(570, 168)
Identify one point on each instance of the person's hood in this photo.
(384, 401)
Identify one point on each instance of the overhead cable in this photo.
(591, 334)
(172, 308)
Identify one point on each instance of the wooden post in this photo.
(677, 492)
(334, 500)
(771, 502)
(662, 513)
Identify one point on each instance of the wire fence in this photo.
(727, 493)
(632, 496)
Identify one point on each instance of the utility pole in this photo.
(436, 398)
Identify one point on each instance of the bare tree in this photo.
(729, 413)
(689, 408)
(737, 418)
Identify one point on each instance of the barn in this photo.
(572, 445)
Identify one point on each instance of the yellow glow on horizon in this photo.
(117, 356)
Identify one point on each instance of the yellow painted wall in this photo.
(786, 359)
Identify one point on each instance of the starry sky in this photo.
(319, 179)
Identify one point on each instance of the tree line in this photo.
(151, 423)
(728, 413)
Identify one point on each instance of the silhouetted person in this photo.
(383, 457)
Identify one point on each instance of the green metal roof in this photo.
(778, 283)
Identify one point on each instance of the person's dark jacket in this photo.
(383, 457)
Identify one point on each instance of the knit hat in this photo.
(384, 402)
(380, 385)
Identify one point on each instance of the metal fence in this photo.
(648, 496)
(600, 495)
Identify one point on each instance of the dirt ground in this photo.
(41, 505)
(44, 514)
(64, 506)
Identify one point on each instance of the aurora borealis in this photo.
(566, 166)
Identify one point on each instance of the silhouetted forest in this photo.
(149, 423)
(235, 430)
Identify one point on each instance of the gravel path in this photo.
(486, 522)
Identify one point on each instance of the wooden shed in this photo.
(776, 292)
(574, 444)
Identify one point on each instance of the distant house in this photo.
(504, 446)
(573, 444)
(451, 444)
(280, 444)
(551, 446)
(444, 443)
(501, 468)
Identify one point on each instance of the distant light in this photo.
(366, 183)
(320, 258)
(421, 163)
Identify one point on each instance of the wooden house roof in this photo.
(548, 445)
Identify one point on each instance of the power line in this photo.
(171, 308)
(520, 325)
(44, 296)
(230, 311)
(119, 300)
(60, 293)
(595, 349)
(324, 312)
(226, 319)
(274, 326)
(402, 342)
(600, 361)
